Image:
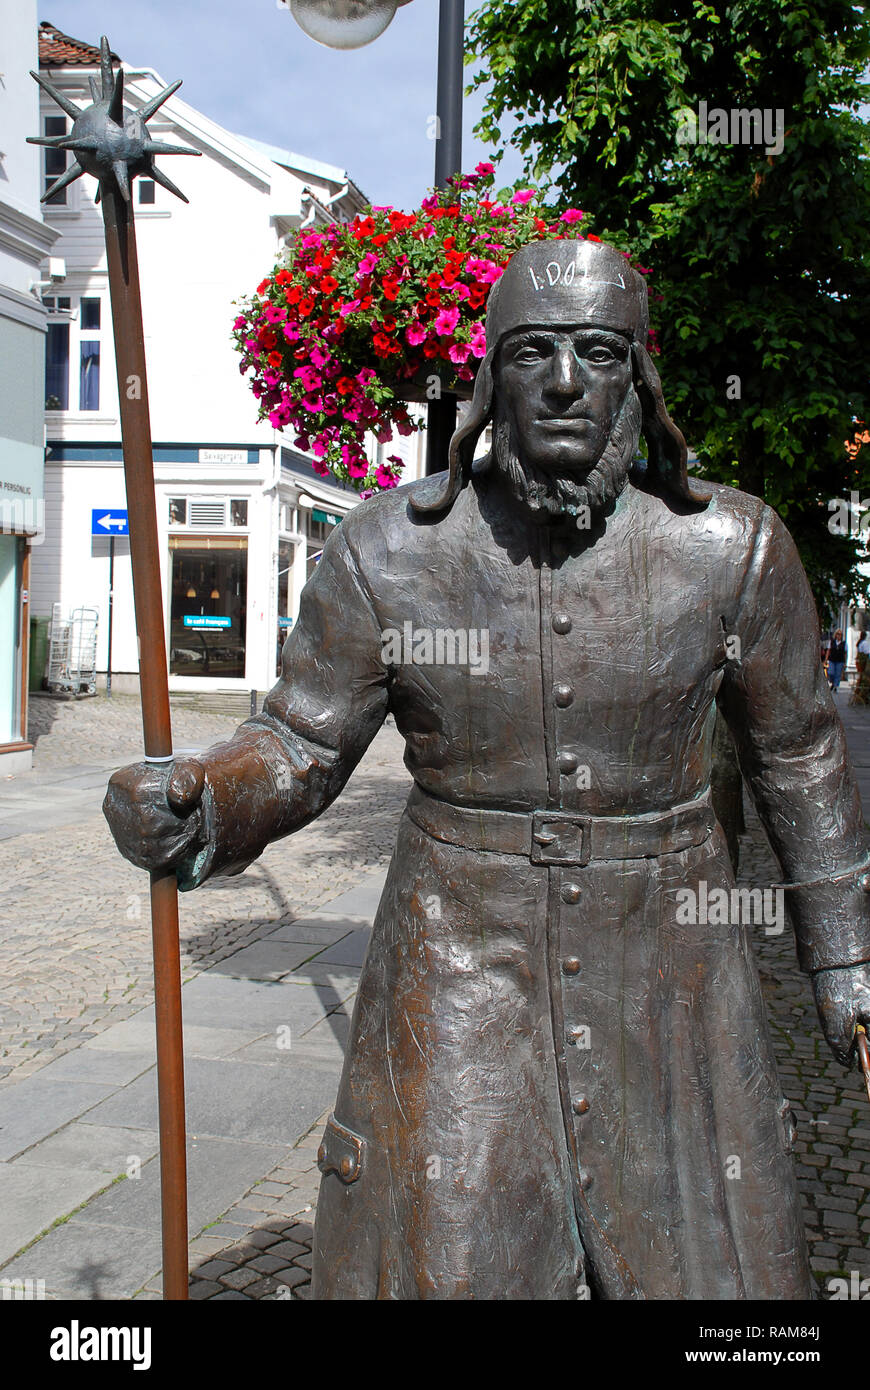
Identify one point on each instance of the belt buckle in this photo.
(558, 837)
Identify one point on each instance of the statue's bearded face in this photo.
(566, 418)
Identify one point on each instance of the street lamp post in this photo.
(353, 23)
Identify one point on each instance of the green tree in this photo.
(760, 251)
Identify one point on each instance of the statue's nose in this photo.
(566, 378)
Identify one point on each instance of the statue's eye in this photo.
(600, 356)
(530, 353)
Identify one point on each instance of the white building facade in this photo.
(241, 514)
(25, 244)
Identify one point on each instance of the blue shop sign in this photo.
(202, 621)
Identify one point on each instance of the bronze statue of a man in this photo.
(559, 1077)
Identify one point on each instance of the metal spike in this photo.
(106, 74)
(120, 170)
(116, 105)
(74, 171)
(54, 140)
(95, 95)
(65, 142)
(154, 147)
(159, 177)
(63, 102)
(79, 142)
(147, 111)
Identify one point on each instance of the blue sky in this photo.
(247, 65)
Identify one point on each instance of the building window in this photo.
(178, 511)
(285, 622)
(317, 525)
(89, 379)
(146, 191)
(57, 367)
(55, 160)
(90, 314)
(239, 511)
(72, 335)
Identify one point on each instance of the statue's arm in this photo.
(281, 768)
(793, 755)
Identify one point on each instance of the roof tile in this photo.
(58, 50)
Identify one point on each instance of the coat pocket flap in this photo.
(341, 1151)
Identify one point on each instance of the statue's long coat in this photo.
(507, 1129)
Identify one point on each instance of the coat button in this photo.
(563, 695)
(567, 763)
(570, 893)
(561, 623)
(346, 1166)
(580, 1105)
(571, 965)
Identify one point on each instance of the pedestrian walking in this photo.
(836, 660)
(861, 693)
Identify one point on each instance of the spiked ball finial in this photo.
(109, 142)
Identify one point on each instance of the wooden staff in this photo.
(114, 146)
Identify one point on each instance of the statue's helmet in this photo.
(567, 284)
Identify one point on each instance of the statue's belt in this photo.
(564, 837)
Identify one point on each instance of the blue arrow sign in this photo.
(109, 521)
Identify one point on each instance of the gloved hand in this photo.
(843, 1000)
(155, 812)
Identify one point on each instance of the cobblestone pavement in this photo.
(832, 1143)
(74, 901)
(75, 949)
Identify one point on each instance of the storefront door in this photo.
(209, 586)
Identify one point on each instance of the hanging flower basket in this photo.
(359, 318)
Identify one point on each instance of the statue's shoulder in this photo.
(389, 517)
(729, 516)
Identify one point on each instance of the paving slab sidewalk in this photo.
(264, 1036)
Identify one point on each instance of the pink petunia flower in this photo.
(446, 322)
(366, 265)
(319, 357)
(309, 377)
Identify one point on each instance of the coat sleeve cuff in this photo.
(264, 783)
(239, 807)
(832, 919)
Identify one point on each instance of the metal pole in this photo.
(448, 161)
(111, 605)
(153, 679)
(451, 41)
(113, 145)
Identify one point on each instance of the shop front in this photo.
(13, 604)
